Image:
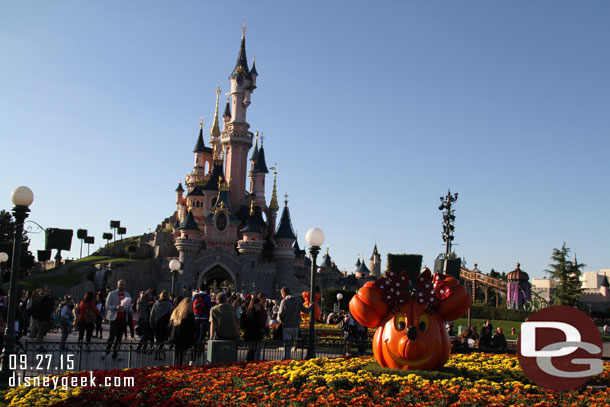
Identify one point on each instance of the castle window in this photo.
(221, 222)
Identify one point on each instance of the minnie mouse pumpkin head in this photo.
(410, 317)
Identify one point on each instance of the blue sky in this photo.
(372, 110)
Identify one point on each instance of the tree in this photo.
(7, 235)
(569, 290)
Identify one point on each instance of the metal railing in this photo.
(41, 358)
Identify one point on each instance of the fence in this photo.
(41, 358)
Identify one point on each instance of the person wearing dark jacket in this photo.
(254, 331)
(182, 323)
(159, 321)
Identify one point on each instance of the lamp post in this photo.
(174, 266)
(3, 259)
(339, 298)
(314, 238)
(22, 197)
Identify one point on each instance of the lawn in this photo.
(506, 326)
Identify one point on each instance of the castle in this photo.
(225, 228)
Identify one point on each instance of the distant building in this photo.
(595, 285)
(518, 288)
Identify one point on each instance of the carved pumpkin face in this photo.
(410, 324)
(412, 339)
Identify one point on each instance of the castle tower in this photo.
(285, 237)
(375, 263)
(259, 172)
(203, 159)
(251, 242)
(180, 207)
(357, 265)
(236, 138)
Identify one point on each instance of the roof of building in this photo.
(518, 274)
(241, 66)
(196, 191)
(358, 262)
(259, 164)
(605, 282)
(180, 188)
(252, 224)
(215, 177)
(375, 253)
(189, 223)
(285, 230)
(325, 261)
(199, 145)
(363, 269)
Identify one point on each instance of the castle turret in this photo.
(251, 242)
(375, 263)
(358, 263)
(284, 237)
(236, 138)
(203, 161)
(259, 172)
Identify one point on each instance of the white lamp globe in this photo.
(174, 265)
(3, 257)
(22, 196)
(314, 237)
(339, 296)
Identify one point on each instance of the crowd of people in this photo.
(485, 339)
(157, 319)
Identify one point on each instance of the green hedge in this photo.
(411, 263)
(478, 311)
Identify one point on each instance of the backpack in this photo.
(89, 316)
(199, 306)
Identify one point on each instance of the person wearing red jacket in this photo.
(87, 315)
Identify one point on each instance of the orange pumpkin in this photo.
(410, 322)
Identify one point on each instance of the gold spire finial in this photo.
(215, 130)
(286, 199)
(327, 247)
(252, 207)
(215, 155)
(201, 123)
(244, 28)
(273, 205)
(262, 139)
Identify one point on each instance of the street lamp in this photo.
(3, 259)
(314, 238)
(22, 197)
(174, 266)
(339, 298)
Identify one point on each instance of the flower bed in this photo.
(474, 379)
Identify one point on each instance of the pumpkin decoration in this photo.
(410, 317)
(305, 295)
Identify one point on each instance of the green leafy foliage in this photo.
(568, 272)
(411, 263)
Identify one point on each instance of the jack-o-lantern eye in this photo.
(400, 322)
(423, 322)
